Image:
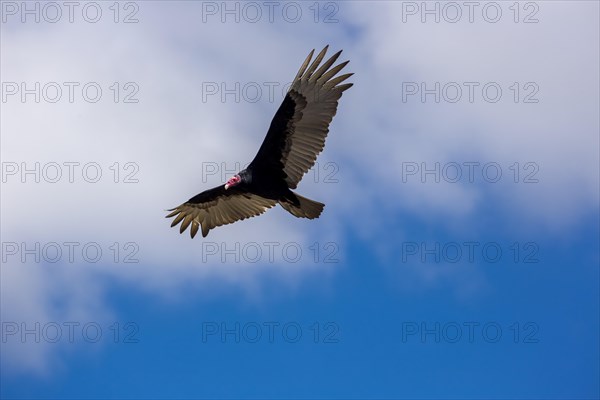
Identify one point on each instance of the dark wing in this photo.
(216, 207)
(298, 130)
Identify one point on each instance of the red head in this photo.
(233, 181)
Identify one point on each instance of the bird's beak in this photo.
(234, 180)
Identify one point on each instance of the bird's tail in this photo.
(306, 208)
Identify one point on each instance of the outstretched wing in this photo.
(216, 207)
(298, 130)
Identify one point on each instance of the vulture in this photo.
(290, 148)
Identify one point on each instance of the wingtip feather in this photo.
(304, 65)
(317, 74)
(344, 87)
(194, 229)
(316, 62)
(177, 220)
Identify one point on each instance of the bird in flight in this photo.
(290, 148)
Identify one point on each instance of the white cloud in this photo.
(559, 133)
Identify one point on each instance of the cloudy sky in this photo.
(457, 255)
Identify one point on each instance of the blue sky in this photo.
(457, 256)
